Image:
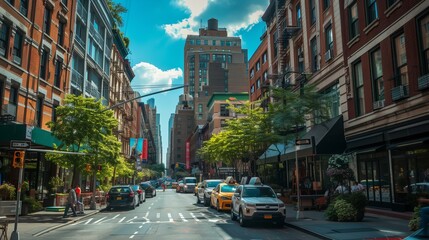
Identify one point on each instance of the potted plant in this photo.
(8, 199)
(55, 183)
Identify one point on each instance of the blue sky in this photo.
(157, 31)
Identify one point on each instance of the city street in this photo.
(169, 215)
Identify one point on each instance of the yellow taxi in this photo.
(220, 198)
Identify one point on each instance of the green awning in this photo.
(23, 132)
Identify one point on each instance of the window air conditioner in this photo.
(423, 82)
(378, 104)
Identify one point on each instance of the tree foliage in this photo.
(82, 125)
(117, 10)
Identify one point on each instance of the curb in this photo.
(308, 231)
(64, 224)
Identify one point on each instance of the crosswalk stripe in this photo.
(132, 219)
(158, 215)
(196, 219)
(121, 220)
(99, 220)
(170, 218)
(182, 217)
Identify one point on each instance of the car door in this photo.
(236, 199)
(214, 195)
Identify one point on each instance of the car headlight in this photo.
(186, 186)
(248, 205)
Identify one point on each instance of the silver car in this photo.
(257, 203)
(206, 189)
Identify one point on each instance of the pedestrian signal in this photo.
(18, 159)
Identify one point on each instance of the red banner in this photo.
(144, 152)
(188, 155)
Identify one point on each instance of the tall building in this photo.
(35, 43)
(169, 148)
(91, 50)
(214, 62)
(387, 123)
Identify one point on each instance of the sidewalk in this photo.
(38, 223)
(377, 224)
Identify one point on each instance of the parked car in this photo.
(189, 184)
(206, 190)
(221, 196)
(256, 202)
(179, 187)
(421, 187)
(140, 191)
(150, 191)
(122, 196)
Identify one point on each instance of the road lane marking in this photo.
(158, 215)
(170, 218)
(89, 220)
(121, 220)
(116, 216)
(182, 217)
(99, 220)
(132, 219)
(147, 214)
(196, 219)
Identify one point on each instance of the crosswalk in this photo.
(157, 217)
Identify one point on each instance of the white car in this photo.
(256, 202)
(205, 191)
(418, 187)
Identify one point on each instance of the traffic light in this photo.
(99, 167)
(88, 167)
(18, 159)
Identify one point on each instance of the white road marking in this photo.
(182, 217)
(89, 220)
(158, 215)
(99, 220)
(169, 216)
(147, 214)
(132, 219)
(196, 219)
(116, 216)
(122, 219)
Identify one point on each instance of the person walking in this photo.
(357, 187)
(79, 204)
(71, 203)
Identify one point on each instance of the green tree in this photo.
(117, 10)
(84, 126)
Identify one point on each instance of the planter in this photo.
(8, 208)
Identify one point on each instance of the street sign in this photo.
(304, 141)
(14, 144)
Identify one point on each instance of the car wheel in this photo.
(198, 200)
(138, 203)
(241, 219)
(217, 206)
(233, 217)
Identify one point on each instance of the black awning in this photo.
(329, 139)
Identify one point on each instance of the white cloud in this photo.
(232, 14)
(150, 78)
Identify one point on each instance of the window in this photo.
(252, 89)
(391, 2)
(47, 21)
(265, 76)
(358, 88)
(264, 57)
(23, 8)
(258, 83)
(61, 27)
(313, 12)
(298, 16)
(58, 70)
(17, 47)
(13, 97)
(326, 4)
(401, 69)
(313, 46)
(275, 42)
(214, 42)
(39, 109)
(329, 39)
(372, 11)
(258, 65)
(64, 2)
(424, 40)
(224, 111)
(300, 55)
(44, 64)
(353, 20)
(252, 73)
(10, 1)
(54, 110)
(200, 108)
(4, 39)
(377, 75)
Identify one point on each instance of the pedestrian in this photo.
(71, 203)
(341, 189)
(357, 187)
(163, 187)
(79, 204)
(424, 217)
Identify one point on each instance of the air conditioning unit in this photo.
(328, 55)
(423, 82)
(399, 92)
(9, 109)
(378, 104)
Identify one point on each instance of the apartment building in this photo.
(387, 118)
(35, 46)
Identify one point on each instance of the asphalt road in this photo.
(169, 215)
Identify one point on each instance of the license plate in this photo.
(118, 198)
(268, 216)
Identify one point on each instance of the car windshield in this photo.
(228, 188)
(258, 192)
(213, 183)
(191, 180)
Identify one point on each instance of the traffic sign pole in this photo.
(15, 233)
